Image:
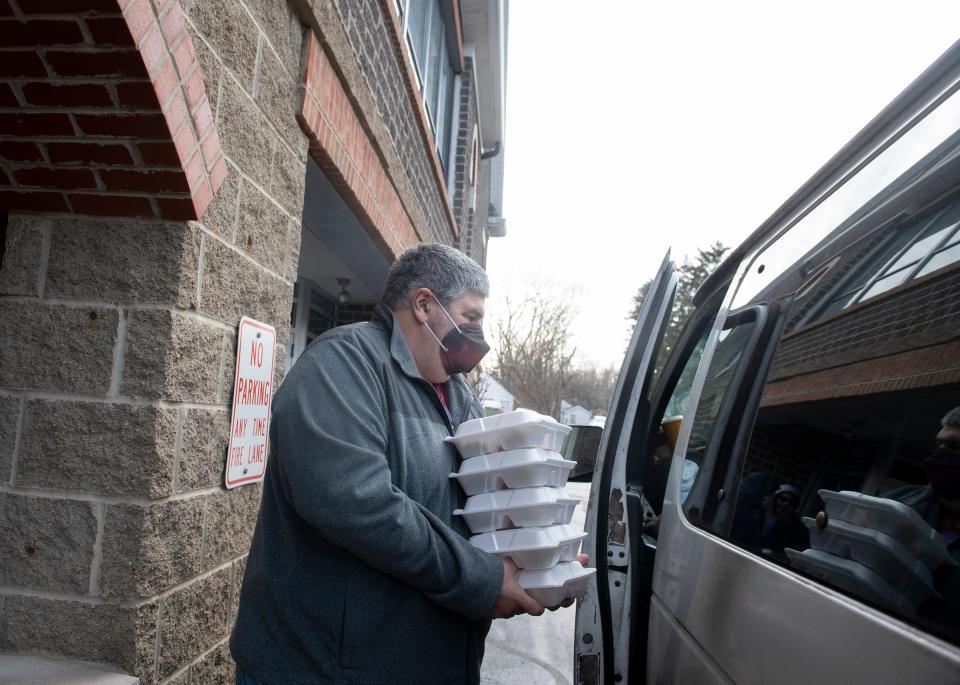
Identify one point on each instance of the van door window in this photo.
(700, 471)
(851, 471)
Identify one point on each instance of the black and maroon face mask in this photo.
(463, 347)
(943, 471)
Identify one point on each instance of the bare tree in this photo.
(531, 339)
(591, 387)
(478, 381)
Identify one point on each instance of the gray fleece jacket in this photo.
(358, 572)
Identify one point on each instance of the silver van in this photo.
(801, 531)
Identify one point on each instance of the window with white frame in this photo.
(427, 27)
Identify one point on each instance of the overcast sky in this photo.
(634, 127)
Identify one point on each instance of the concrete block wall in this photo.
(122, 546)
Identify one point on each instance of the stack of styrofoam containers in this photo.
(514, 477)
(876, 548)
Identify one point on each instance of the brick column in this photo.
(120, 544)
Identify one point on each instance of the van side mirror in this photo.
(582, 445)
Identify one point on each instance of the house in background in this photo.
(494, 398)
(574, 414)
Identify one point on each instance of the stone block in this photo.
(239, 569)
(203, 448)
(193, 620)
(215, 668)
(287, 180)
(233, 286)
(10, 408)
(109, 449)
(124, 260)
(293, 253)
(221, 214)
(22, 255)
(245, 135)
(124, 637)
(230, 32)
(231, 518)
(276, 92)
(171, 356)
(280, 361)
(182, 679)
(58, 348)
(262, 229)
(47, 543)
(282, 29)
(229, 370)
(148, 549)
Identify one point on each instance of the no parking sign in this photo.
(252, 394)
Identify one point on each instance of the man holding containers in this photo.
(357, 571)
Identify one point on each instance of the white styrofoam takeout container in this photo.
(528, 467)
(508, 431)
(533, 547)
(851, 576)
(896, 519)
(877, 551)
(521, 508)
(550, 586)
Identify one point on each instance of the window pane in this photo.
(886, 283)
(417, 27)
(437, 40)
(838, 304)
(919, 249)
(946, 256)
(723, 367)
(443, 109)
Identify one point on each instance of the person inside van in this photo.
(939, 505)
(939, 501)
(772, 524)
(659, 473)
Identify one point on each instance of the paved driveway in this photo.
(535, 650)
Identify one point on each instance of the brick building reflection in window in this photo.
(916, 249)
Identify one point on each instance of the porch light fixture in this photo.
(343, 297)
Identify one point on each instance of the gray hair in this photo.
(951, 419)
(447, 272)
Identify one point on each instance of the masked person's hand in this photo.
(513, 599)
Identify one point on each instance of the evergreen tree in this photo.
(692, 274)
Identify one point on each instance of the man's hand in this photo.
(513, 599)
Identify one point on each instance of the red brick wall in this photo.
(935, 365)
(341, 147)
(103, 111)
(921, 313)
